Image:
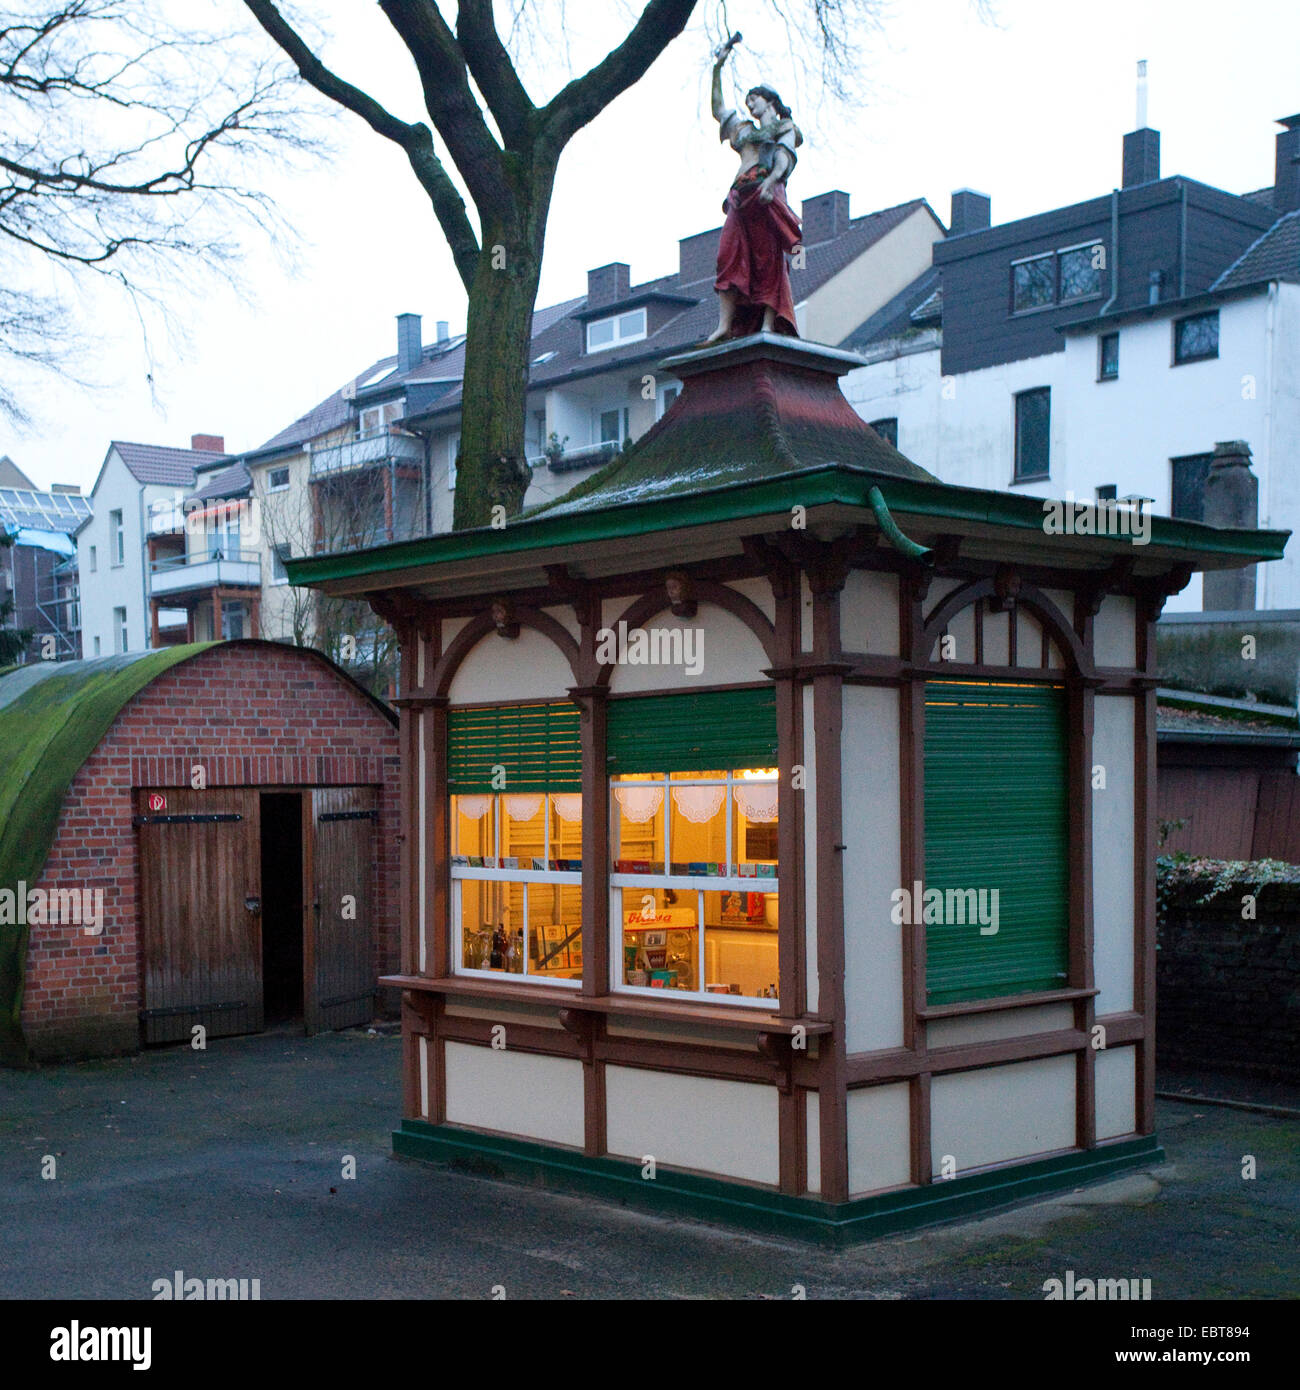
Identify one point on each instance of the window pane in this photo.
(632, 324)
(599, 334)
(1033, 283)
(1108, 361)
(609, 426)
(754, 805)
(473, 827)
(1033, 433)
(637, 811)
(555, 930)
(1196, 337)
(566, 831)
(1080, 273)
(699, 828)
(1189, 478)
(492, 925)
(660, 942)
(523, 830)
(740, 944)
(887, 429)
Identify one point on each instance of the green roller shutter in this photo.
(539, 746)
(693, 733)
(996, 816)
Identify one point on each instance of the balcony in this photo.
(375, 450)
(586, 456)
(219, 569)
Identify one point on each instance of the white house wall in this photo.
(879, 1138)
(515, 1092)
(1116, 1092)
(1113, 749)
(1001, 1113)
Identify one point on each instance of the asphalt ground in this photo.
(230, 1163)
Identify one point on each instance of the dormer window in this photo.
(377, 418)
(620, 328)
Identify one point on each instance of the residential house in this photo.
(1104, 349)
(137, 523)
(38, 570)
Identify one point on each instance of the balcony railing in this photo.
(582, 457)
(227, 568)
(379, 448)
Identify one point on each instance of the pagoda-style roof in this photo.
(761, 427)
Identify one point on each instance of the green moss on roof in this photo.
(52, 717)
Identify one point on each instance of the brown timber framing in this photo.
(824, 1066)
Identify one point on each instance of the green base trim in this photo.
(677, 1193)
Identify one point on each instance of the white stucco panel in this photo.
(810, 846)
(813, 1136)
(869, 613)
(1001, 1113)
(879, 1135)
(1008, 1023)
(515, 1093)
(1116, 1092)
(714, 648)
(871, 863)
(1113, 749)
(527, 667)
(724, 1127)
(1114, 632)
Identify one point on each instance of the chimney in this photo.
(209, 443)
(1141, 157)
(697, 256)
(1231, 499)
(825, 216)
(971, 212)
(608, 284)
(444, 330)
(410, 345)
(1286, 176)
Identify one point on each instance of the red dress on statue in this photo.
(756, 238)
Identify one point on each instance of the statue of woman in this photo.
(753, 282)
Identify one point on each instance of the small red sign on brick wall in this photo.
(157, 801)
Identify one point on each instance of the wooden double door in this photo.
(254, 895)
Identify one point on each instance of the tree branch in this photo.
(415, 139)
(494, 72)
(587, 96)
(456, 115)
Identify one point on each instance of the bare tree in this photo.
(126, 144)
(506, 148)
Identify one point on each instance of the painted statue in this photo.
(753, 281)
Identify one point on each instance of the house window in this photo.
(376, 419)
(1108, 357)
(279, 554)
(453, 453)
(667, 395)
(515, 778)
(1196, 338)
(278, 480)
(1107, 492)
(1033, 433)
(96, 646)
(621, 328)
(887, 429)
(117, 539)
(94, 559)
(1188, 476)
(119, 629)
(1080, 272)
(694, 884)
(1033, 283)
(612, 425)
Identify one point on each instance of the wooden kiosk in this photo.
(778, 821)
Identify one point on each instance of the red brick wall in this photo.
(254, 715)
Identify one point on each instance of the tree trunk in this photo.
(492, 469)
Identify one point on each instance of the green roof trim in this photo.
(52, 717)
(823, 485)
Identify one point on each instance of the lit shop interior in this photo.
(693, 882)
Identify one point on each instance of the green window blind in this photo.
(539, 746)
(691, 733)
(996, 787)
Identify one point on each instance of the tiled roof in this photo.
(1275, 256)
(163, 466)
(227, 482)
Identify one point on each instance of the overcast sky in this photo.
(1030, 109)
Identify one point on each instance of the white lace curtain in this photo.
(757, 800)
(639, 804)
(699, 804)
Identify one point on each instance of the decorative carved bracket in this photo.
(1165, 587)
(504, 619)
(680, 588)
(1006, 589)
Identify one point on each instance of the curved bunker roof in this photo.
(53, 715)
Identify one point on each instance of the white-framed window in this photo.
(277, 479)
(119, 629)
(610, 425)
(453, 453)
(94, 559)
(96, 646)
(603, 334)
(694, 890)
(117, 540)
(665, 396)
(279, 554)
(376, 419)
(516, 885)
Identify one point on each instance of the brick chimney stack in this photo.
(208, 443)
(1231, 499)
